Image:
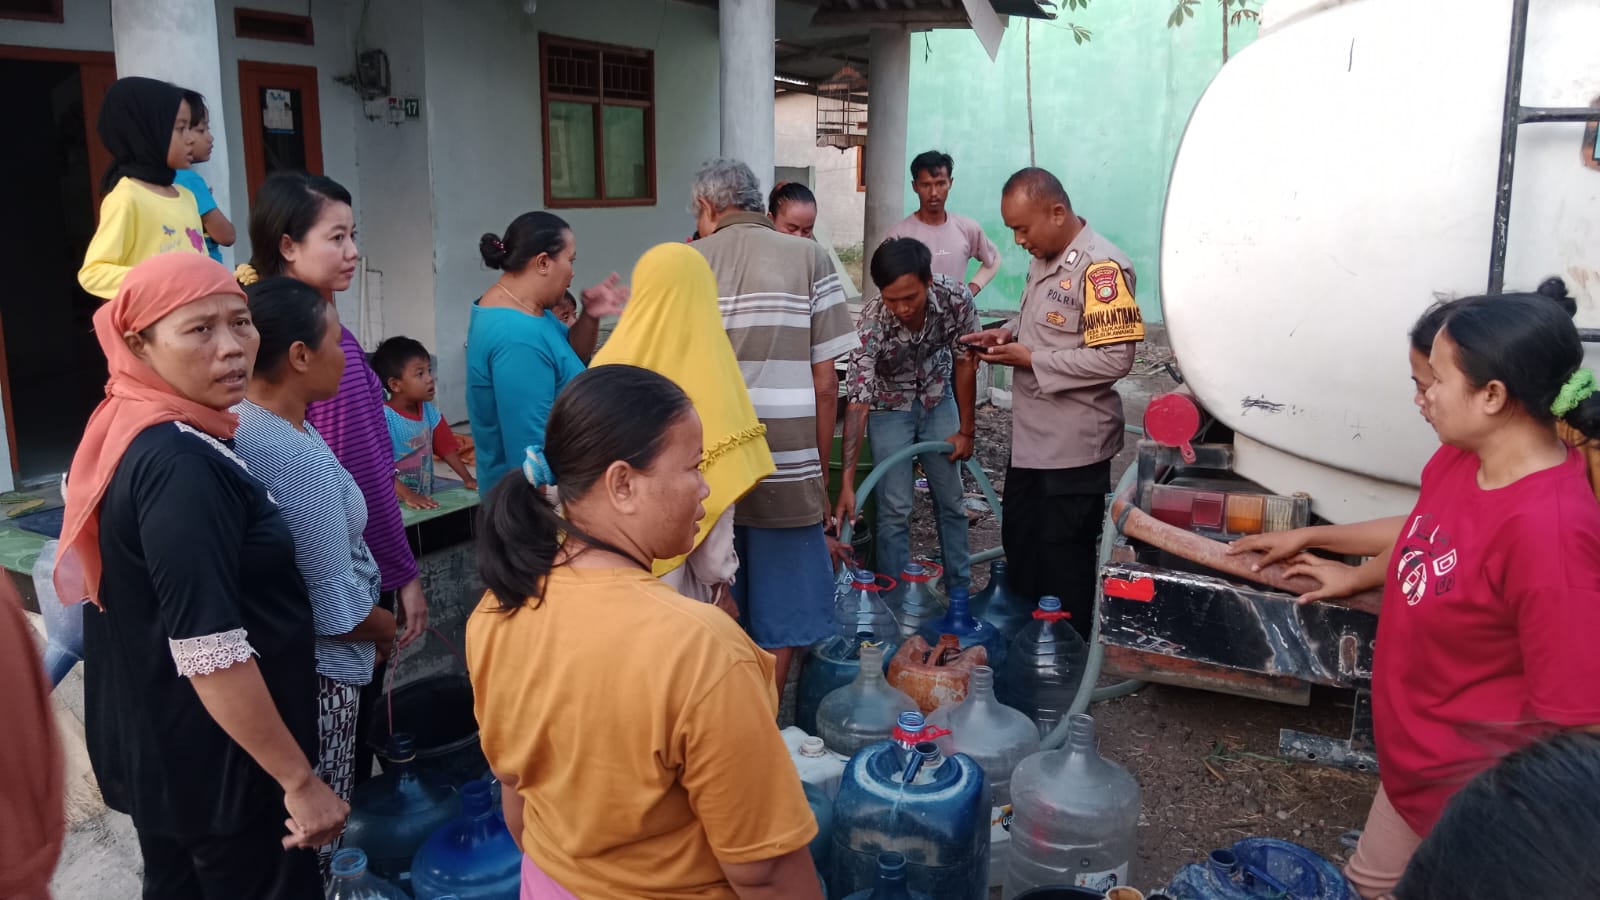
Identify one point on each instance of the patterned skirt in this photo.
(337, 707)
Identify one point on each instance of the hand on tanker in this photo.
(1274, 546)
(606, 298)
(1337, 579)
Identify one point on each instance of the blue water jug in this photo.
(349, 879)
(1001, 606)
(822, 810)
(969, 631)
(891, 883)
(472, 857)
(1043, 667)
(1259, 868)
(391, 815)
(918, 803)
(832, 663)
(917, 600)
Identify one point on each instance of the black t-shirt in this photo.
(192, 547)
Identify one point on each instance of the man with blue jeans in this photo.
(910, 382)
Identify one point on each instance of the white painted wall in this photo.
(841, 209)
(85, 25)
(396, 212)
(332, 55)
(482, 109)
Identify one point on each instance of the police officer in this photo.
(1075, 336)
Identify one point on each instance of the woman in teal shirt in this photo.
(519, 355)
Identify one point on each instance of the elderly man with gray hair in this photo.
(784, 310)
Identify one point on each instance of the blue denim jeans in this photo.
(890, 432)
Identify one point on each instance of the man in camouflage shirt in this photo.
(911, 381)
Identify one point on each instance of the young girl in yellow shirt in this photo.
(144, 123)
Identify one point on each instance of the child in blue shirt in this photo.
(417, 430)
(218, 229)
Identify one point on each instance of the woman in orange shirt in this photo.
(632, 728)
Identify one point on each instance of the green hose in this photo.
(1087, 692)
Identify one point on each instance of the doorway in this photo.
(52, 373)
(282, 126)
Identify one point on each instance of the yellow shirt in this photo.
(137, 223)
(640, 728)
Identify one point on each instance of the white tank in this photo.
(1337, 177)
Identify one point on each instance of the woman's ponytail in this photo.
(519, 535)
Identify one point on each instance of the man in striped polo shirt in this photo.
(784, 309)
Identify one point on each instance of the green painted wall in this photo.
(1107, 117)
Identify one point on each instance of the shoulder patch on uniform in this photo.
(1110, 313)
(1072, 258)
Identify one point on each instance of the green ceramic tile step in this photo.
(19, 549)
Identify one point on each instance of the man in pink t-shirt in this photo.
(953, 239)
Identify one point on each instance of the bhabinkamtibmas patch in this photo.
(1110, 314)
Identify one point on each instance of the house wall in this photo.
(483, 114)
(393, 166)
(841, 209)
(338, 108)
(1107, 118)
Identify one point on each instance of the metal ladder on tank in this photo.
(1515, 116)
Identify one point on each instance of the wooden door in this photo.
(51, 370)
(282, 127)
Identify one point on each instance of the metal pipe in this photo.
(1509, 120)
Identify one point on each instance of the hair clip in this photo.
(536, 469)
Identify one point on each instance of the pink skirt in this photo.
(536, 885)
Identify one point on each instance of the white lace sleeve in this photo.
(211, 652)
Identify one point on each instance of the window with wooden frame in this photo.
(32, 10)
(598, 122)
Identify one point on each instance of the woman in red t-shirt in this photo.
(1492, 590)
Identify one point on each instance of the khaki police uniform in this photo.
(1081, 324)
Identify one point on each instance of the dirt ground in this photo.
(1207, 763)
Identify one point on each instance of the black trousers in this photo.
(372, 704)
(1050, 528)
(248, 866)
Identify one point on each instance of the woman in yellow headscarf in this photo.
(671, 326)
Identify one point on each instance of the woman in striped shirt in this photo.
(300, 361)
(302, 226)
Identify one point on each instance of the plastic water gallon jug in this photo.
(1043, 667)
(997, 737)
(891, 883)
(1001, 606)
(917, 803)
(917, 600)
(473, 857)
(813, 760)
(861, 608)
(863, 711)
(821, 810)
(832, 664)
(1073, 817)
(970, 631)
(391, 815)
(1258, 868)
(937, 674)
(63, 625)
(349, 879)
